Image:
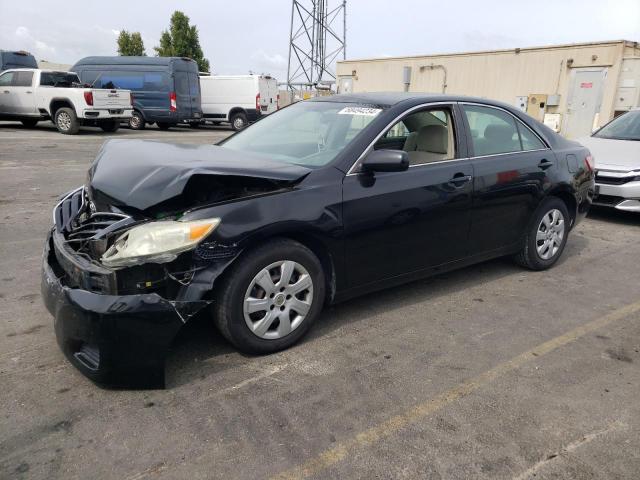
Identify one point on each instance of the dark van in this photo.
(19, 59)
(166, 90)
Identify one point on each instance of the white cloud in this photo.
(271, 63)
(37, 47)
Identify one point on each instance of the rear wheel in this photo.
(136, 122)
(110, 125)
(271, 297)
(547, 236)
(164, 126)
(30, 123)
(66, 121)
(239, 121)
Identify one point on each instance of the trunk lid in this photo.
(144, 173)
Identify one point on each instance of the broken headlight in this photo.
(157, 242)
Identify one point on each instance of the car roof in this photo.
(388, 99)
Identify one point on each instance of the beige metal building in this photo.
(572, 88)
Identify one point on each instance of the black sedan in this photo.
(324, 200)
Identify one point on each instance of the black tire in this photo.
(194, 124)
(229, 301)
(239, 121)
(136, 122)
(110, 125)
(66, 121)
(164, 126)
(30, 123)
(529, 257)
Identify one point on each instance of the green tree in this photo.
(130, 44)
(181, 40)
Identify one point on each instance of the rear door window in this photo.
(493, 131)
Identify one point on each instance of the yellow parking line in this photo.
(392, 425)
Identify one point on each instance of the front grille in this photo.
(606, 180)
(86, 232)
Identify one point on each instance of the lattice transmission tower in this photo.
(317, 39)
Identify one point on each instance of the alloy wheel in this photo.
(550, 234)
(64, 121)
(278, 299)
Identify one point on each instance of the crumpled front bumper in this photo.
(115, 340)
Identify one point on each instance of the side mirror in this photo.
(386, 161)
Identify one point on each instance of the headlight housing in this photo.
(157, 242)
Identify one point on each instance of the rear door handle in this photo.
(544, 164)
(459, 179)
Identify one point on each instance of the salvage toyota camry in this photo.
(324, 200)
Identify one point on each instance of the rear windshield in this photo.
(129, 80)
(306, 133)
(58, 79)
(625, 127)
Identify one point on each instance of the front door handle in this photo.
(459, 179)
(544, 164)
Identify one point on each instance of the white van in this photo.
(237, 99)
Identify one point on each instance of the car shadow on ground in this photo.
(614, 216)
(194, 351)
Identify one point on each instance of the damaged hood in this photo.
(144, 173)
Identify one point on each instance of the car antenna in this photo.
(94, 82)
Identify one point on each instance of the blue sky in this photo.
(242, 35)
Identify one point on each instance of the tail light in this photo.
(131, 99)
(173, 104)
(88, 97)
(588, 161)
(278, 102)
(258, 102)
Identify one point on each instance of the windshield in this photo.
(625, 127)
(58, 79)
(306, 133)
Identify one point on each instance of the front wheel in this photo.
(546, 237)
(271, 297)
(110, 125)
(66, 121)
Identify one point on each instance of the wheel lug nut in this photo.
(282, 307)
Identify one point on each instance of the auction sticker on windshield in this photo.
(365, 111)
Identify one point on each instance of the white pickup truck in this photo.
(31, 95)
